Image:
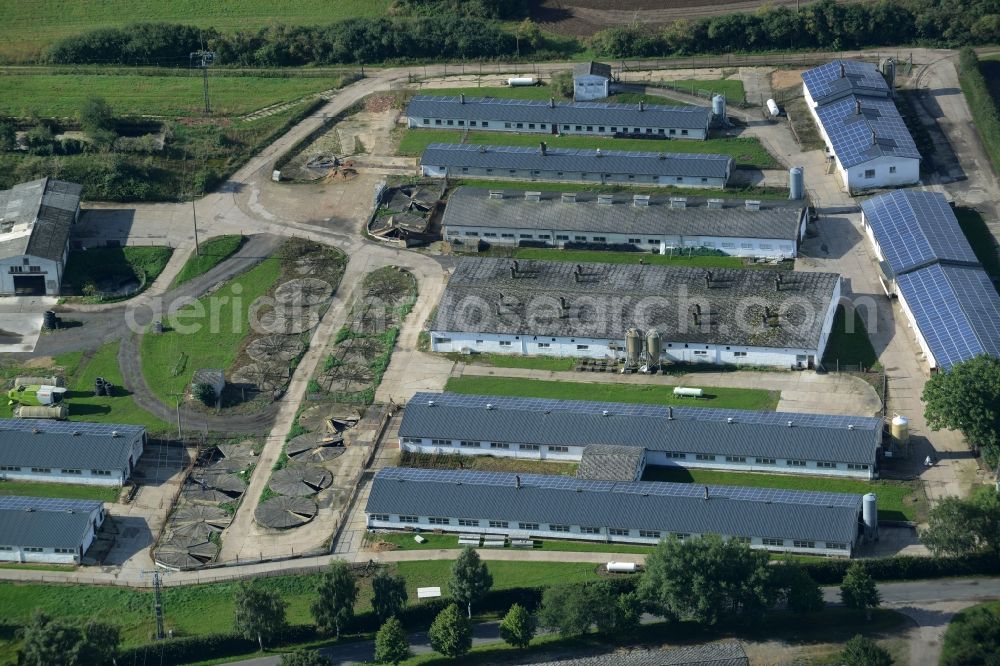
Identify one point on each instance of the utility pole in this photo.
(157, 604)
(194, 216)
(178, 397)
(203, 59)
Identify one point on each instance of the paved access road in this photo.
(922, 601)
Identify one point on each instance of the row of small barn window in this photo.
(566, 128)
(48, 470)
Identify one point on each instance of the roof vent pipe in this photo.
(850, 426)
(729, 419)
(598, 153)
(789, 424)
(552, 102)
(517, 481)
(642, 105)
(706, 492)
(670, 413)
(430, 403)
(461, 98)
(857, 107)
(843, 70)
(489, 405)
(543, 147)
(874, 138)
(605, 413)
(114, 433)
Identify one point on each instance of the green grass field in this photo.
(213, 251)
(81, 371)
(90, 267)
(849, 348)
(60, 490)
(542, 92)
(696, 261)
(897, 500)
(731, 88)
(648, 394)
(29, 26)
(745, 151)
(62, 95)
(209, 332)
(205, 609)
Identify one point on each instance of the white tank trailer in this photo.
(633, 350)
(653, 348)
(772, 108)
(622, 567)
(59, 412)
(869, 515)
(519, 81)
(684, 392)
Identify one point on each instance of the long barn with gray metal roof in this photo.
(558, 308)
(46, 530)
(442, 160)
(557, 507)
(769, 229)
(688, 437)
(540, 117)
(101, 454)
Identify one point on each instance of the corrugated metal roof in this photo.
(840, 78)
(721, 653)
(481, 296)
(914, 227)
(35, 218)
(610, 462)
(692, 430)
(598, 114)
(60, 448)
(876, 131)
(453, 155)
(640, 505)
(473, 207)
(40, 522)
(595, 68)
(957, 310)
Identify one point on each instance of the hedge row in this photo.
(981, 103)
(905, 567)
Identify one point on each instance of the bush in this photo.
(205, 393)
(904, 567)
(973, 637)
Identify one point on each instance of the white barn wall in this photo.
(51, 270)
(86, 478)
(589, 87)
(575, 532)
(17, 552)
(521, 127)
(433, 171)
(924, 347)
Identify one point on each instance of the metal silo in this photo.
(869, 514)
(900, 429)
(719, 106)
(796, 183)
(633, 348)
(652, 349)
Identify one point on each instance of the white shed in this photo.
(591, 80)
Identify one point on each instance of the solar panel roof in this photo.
(915, 227)
(957, 310)
(670, 507)
(42, 522)
(18, 503)
(53, 444)
(876, 131)
(559, 113)
(452, 155)
(70, 427)
(839, 78)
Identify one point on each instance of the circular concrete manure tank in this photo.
(285, 512)
(299, 480)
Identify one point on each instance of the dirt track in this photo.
(585, 17)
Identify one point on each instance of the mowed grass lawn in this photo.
(744, 151)
(648, 394)
(405, 541)
(209, 332)
(600, 256)
(205, 609)
(29, 26)
(81, 371)
(213, 251)
(60, 490)
(897, 500)
(92, 266)
(62, 95)
(543, 92)
(731, 88)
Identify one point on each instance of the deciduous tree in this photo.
(470, 579)
(390, 643)
(861, 651)
(451, 632)
(518, 626)
(337, 592)
(388, 594)
(258, 613)
(973, 637)
(966, 397)
(965, 526)
(858, 589)
(304, 658)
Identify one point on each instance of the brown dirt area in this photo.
(782, 79)
(585, 17)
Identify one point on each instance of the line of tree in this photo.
(966, 397)
(452, 29)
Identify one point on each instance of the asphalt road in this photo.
(899, 596)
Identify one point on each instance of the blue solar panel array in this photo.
(17, 503)
(843, 77)
(878, 130)
(915, 227)
(574, 484)
(649, 411)
(69, 428)
(957, 310)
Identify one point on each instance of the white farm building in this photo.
(927, 263)
(687, 437)
(444, 160)
(502, 505)
(47, 531)
(35, 223)
(591, 80)
(99, 454)
(557, 308)
(859, 122)
(764, 229)
(540, 117)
